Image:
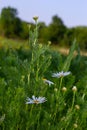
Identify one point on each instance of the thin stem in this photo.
(58, 97)
(60, 84)
(38, 123)
(37, 71)
(73, 100)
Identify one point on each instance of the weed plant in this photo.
(41, 89)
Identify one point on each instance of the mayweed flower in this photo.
(48, 81)
(36, 100)
(60, 74)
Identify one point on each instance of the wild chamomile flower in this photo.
(48, 81)
(36, 100)
(60, 74)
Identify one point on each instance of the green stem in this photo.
(60, 87)
(37, 71)
(58, 96)
(60, 84)
(38, 123)
(73, 100)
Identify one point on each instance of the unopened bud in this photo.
(74, 89)
(55, 89)
(64, 89)
(75, 125)
(77, 107)
(35, 18)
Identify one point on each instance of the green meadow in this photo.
(40, 87)
(13, 43)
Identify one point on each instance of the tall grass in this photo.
(27, 73)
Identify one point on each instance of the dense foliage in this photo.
(24, 73)
(11, 25)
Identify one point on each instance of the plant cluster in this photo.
(41, 89)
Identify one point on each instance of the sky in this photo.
(72, 12)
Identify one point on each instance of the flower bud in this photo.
(35, 18)
(64, 89)
(77, 107)
(74, 89)
(55, 89)
(75, 125)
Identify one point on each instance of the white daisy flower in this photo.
(60, 74)
(36, 100)
(48, 81)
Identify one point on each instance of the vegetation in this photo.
(13, 43)
(24, 73)
(57, 32)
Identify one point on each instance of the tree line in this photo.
(57, 32)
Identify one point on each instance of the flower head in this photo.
(48, 81)
(60, 74)
(35, 18)
(36, 100)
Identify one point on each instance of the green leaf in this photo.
(69, 57)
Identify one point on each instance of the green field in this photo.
(13, 43)
(41, 88)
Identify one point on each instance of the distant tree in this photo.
(43, 32)
(17, 26)
(41, 25)
(25, 30)
(81, 36)
(56, 29)
(79, 33)
(11, 24)
(69, 36)
(0, 26)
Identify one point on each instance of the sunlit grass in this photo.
(65, 50)
(13, 43)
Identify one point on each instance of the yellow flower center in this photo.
(36, 101)
(44, 79)
(61, 75)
